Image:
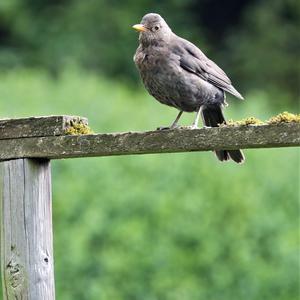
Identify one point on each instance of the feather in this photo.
(193, 60)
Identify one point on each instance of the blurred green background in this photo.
(171, 226)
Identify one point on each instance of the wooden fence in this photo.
(27, 146)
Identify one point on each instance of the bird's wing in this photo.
(193, 60)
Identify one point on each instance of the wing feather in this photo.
(193, 60)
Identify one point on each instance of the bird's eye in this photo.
(156, 28)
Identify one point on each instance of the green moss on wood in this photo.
(284, 117)
(78, 128)
(245, 122)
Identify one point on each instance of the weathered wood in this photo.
(26, 230)
(37, 126)
(179, 140)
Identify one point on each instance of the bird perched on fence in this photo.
(177, 73)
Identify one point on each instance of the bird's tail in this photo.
(212, 116)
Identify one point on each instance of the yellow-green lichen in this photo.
(284, 117)
(245, 122)
(78, 128)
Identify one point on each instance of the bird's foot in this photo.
(168, 127)
(194, 126)
(163, 128)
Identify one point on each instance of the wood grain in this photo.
(179, 140)
(37, 126)
(26, 230)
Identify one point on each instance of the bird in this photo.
(178, 74)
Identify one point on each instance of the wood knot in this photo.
(14, 273)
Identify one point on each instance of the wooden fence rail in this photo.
(46, 138)
(26, 147)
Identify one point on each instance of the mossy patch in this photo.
(284, 117)
(245, 122)
(78, 128)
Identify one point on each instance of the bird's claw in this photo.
(192, 127)
(163, 128)
(196, 127)
(168, 127)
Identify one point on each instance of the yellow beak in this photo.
(139, 27)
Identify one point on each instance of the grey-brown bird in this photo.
(177, 73)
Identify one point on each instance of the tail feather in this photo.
(212, 116)
(222, 155)
(237, 156)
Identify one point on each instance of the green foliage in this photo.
(267, 45)
(256, 42)
(95, 34)
(171, 226)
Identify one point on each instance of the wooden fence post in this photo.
(26, 230)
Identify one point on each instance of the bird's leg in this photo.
(174, 124)
(196, 121)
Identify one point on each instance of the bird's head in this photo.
(153, 28)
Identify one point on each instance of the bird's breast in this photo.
(169, 83)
